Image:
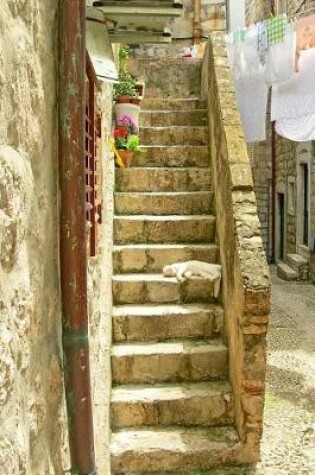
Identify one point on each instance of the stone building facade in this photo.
(33, 421)
(294, 163)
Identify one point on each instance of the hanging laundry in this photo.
(293, 102)
(276, 29)
(249, 82)
(262, 41)
(280, 58)
(252, 96)
(305, 36)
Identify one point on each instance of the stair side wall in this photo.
(246, 284)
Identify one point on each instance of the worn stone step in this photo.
(286, 272)
(164, 229)
(186, 404)
(134, 363)
(163, 179)
(159, 450)
(153, 257)
(176, 135)
(173, 156)
(164, 203)
(166, 118)
(155, 288)
(299, 264)
(166, 322)
(173, 104)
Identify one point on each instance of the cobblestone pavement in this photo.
(288, 444)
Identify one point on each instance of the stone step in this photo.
(192, 103)
(164, 203)
(163, 179)
(159, 450)
(185, 404)
(153, 257)
(157, 289)
(299, 264)
(135, 363)
(285, 272)
(164, 229)
(181, 135)
(166, 322)
(166, 118)
(173, 156)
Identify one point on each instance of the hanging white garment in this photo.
(300, 129)
(249, 82)
(293, 102)
(280, 58)
(252, 96)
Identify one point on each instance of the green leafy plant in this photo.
(133, 144)
(125, 86)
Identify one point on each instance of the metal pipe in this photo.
(197, 22)
(71, 117)
(273, 193)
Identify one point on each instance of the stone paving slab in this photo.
(166, 322)
(171, 449)
(131, 258)
(134, 363)
(163, 179)
(186, 404)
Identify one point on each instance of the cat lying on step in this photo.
(191, 269)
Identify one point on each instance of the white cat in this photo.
(191, 269)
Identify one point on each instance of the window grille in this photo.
(92, 160)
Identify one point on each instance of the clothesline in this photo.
(280, 54)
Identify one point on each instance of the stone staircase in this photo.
(172, 406)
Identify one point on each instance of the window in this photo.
(92, 159)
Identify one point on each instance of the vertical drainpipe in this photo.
(71, 117)
(197, 22)
(273, 193)
(273, 178)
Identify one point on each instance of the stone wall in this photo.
(212, 16)
(246, 287)
(100, 293)
(31, 390)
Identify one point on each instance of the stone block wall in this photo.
(31, 389)
(212, 16)
(246, 286)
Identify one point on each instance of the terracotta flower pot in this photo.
(126, 157)
(123, 99)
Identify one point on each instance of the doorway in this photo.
(305, 204)
(281, 226)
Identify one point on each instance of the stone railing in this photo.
(246, 284)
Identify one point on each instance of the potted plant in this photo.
(127, 142)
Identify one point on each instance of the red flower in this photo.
(120, 132)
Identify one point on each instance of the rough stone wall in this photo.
(285, 171)
(246, 286)
(100, 293)
(212, 15)
(30, 351)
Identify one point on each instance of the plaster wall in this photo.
(100, 293)
(31, 390)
